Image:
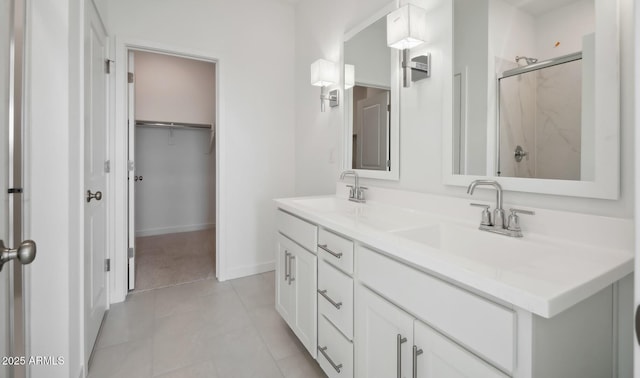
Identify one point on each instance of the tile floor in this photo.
(171, 259)
(201, 329)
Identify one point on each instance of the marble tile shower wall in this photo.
(541, 112)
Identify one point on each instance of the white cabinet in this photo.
(436, 356)
(296, 282)
(392, 343)
(384, 336)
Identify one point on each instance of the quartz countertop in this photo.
(541, 273)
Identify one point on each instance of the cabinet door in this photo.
(383, 333)
(442, 357)
(284, 291)
(304, 279)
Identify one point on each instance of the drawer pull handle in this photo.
(291, 277)
(399, 341)
(416, 353)
(326, 296)
(286, 265)
(323, 350)
(334, 254)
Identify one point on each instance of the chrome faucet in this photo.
(498, 213)
(497, 225)
(356, 192)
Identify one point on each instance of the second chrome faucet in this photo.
(497, 223)
(356, 192)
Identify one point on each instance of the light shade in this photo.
(349, 76)
(323, 73)
(406, 27)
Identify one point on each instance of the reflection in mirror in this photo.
(524, 74)
(540, 120)
(368, 102)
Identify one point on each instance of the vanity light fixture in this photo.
(325, 73)
(349, 76)
(406, 29)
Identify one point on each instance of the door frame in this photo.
(119, 134)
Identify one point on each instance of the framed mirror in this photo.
(371, 100)
(535, 96)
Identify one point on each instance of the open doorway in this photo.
(172, 178)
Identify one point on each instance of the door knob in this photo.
(25, 253)
(97, 195)
(135, 178)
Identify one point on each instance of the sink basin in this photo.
(328, 204)
(370, 214)
(499, 252)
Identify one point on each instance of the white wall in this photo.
(368, 53)
(177, 193)
(253, 42)
(471, 35)
(170, 88)
(421, 113)
(551, 28)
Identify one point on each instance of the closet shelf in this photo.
(173, 125)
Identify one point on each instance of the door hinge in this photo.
(107, 265)
(130, 165)
(388, 163)
(130, 254)
(388, 108)
(14, 190)
(107, 66)
(107, 166)
(130, 77)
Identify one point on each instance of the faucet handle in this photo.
(514, 220)
(352, 191)
(486, 214)
(360, 192)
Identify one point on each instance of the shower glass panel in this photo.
(541, 117)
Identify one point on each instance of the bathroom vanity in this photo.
(406, 285)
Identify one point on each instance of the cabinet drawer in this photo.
(336, 286)
(478, 324)
(298, 230)
(338, 349)
(336, 249)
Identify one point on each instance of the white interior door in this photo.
(5, 283)
(95, 142)
(12, 311)
(131, 172)
(373, 138)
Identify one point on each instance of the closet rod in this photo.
(172, 124)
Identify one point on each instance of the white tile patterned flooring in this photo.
(201, 329)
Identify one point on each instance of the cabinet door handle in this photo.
(399, 341)
(291, 277)
(337, 255)
(416, 353)
(323, 350)
(326, 296)
(286, 265)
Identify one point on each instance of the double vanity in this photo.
(407, 285)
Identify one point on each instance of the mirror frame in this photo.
(606, 184)
(394, 126)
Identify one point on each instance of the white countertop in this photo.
(543, 274)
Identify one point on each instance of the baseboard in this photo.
(174, 229)
(249, 270)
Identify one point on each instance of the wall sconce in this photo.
(349, 76)
(325, 73)
(406, 29)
